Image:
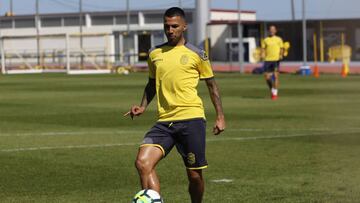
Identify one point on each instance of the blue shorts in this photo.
(271, 66)
(188, 136)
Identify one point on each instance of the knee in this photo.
(195, 176)
(143, 165)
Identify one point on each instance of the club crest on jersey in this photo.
(191, 158)
(204, 56)
(184, 59)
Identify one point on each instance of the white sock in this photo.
(274, 91)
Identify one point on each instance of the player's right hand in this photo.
(135, 111)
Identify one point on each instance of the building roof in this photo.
(96, 13)
(281, 10)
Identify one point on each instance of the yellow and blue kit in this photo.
(177, 71)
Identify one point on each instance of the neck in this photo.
(181, 42)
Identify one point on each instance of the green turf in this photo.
(64, 139)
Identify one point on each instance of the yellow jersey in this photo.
(177, 71)
(272, 46)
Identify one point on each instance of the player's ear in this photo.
(185, 26)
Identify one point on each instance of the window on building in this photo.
(122, 20)
(102, 20)
(6, 24)
(153, 18)
(24, 23)
(50, 22)
(73, 21)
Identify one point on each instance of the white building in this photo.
(103, 33)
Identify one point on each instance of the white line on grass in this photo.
(65, 133)
(134, 144)
(222, 180)
(284, 129)
(68, 147)
(68, 133)
(274, 136)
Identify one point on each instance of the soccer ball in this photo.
(147, 196)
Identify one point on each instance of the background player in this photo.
(272, 51)
(174, 71)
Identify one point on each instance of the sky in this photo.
(265, 9)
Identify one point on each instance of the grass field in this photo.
(64, 139)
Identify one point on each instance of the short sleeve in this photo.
(151, 68)
(205, 69)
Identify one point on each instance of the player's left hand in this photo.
(219, 126)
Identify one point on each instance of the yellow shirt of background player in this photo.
(177, 71)
(272, 46)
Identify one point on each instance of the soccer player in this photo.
(175, 68)
(272, 50)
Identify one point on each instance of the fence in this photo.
(70, 53)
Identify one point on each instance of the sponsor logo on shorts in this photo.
(191, 158)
